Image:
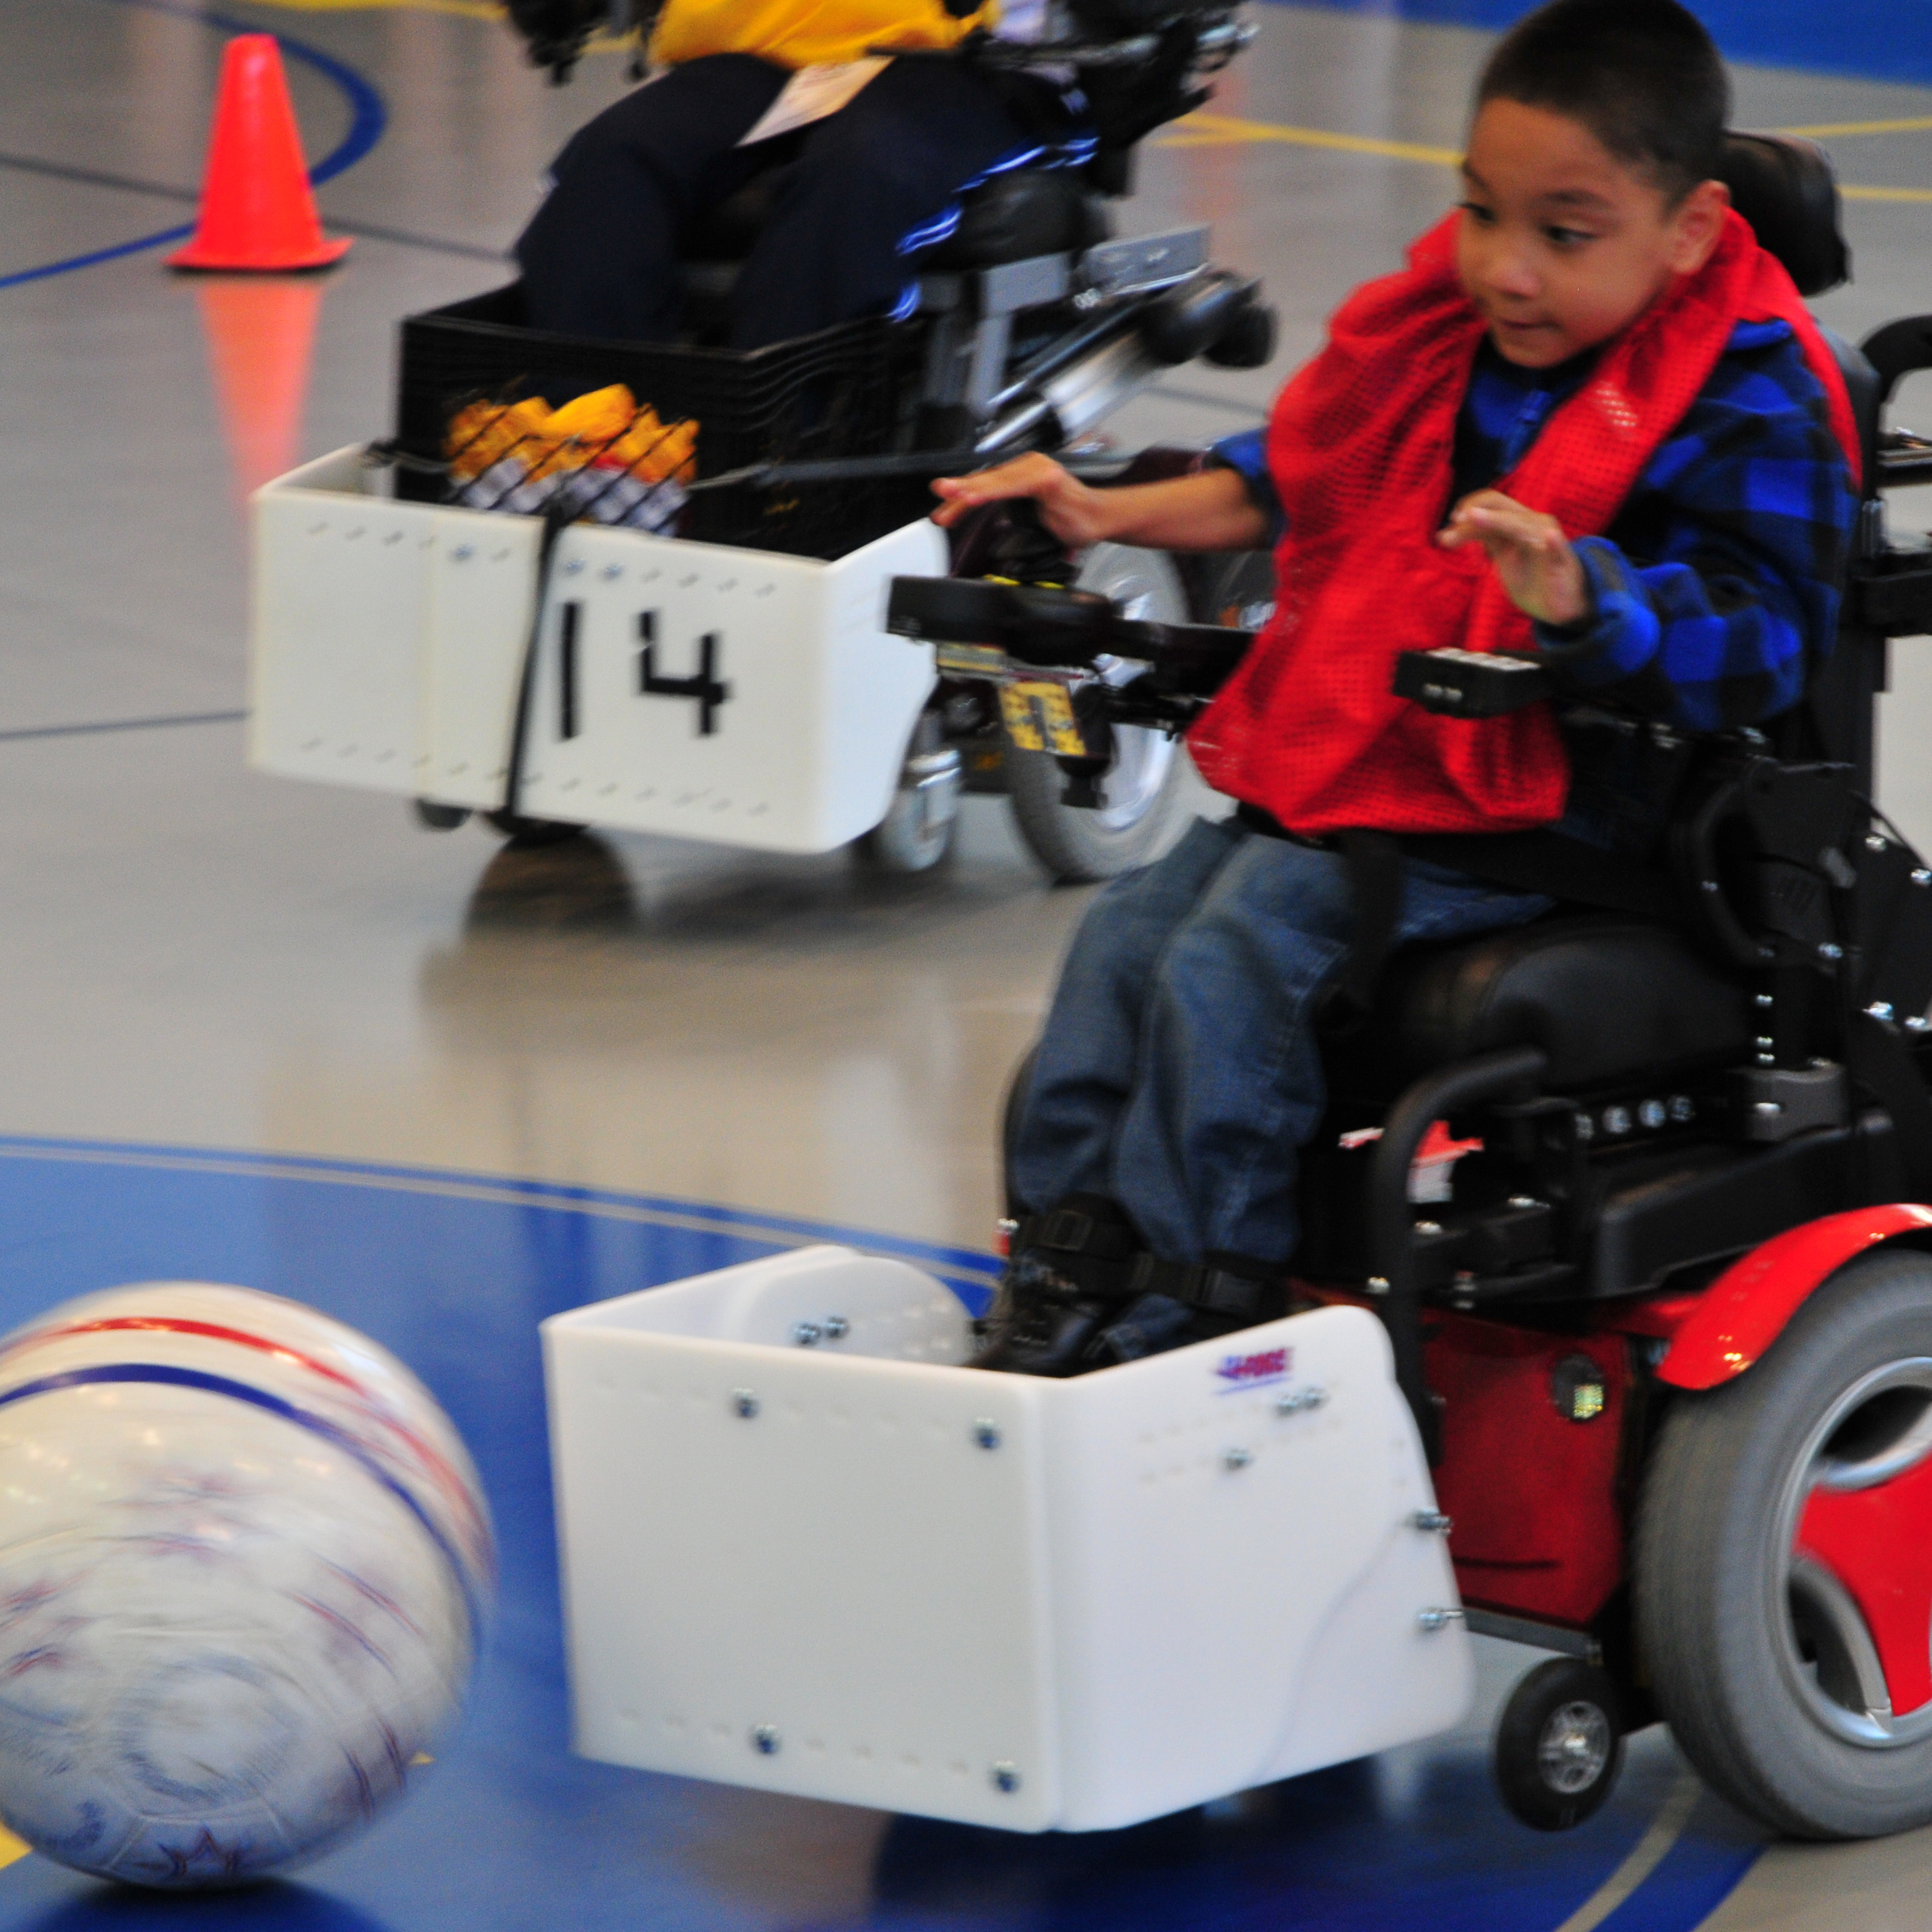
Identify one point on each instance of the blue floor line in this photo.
(123, 724)
(1692, 1879)
(975, 1263)
(368, 118)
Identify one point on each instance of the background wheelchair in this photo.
(1033, 324)
(1667, 1333)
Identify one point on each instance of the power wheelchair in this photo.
(1667, 1332)
(1034, 323)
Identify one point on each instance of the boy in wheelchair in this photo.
(1591, 423)
(865, 185)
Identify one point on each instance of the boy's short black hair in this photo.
(1642, 75)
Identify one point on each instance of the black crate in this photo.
(850, 391)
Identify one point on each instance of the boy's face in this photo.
(1562, 245)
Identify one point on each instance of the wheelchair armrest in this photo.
(1899, 350)
(1188, 660)
(1064, 630)
(1469, 684)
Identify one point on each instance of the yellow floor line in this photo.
(11, 1848)
(1206, 131)
(1920, 125)
(1886, 193)
(1644, 1857)
(1228, 130)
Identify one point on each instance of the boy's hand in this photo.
(1073, 512)
(1530, 553)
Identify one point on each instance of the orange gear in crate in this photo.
(613, 454)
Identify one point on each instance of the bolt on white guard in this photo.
(874, 1575)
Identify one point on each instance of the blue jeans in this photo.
(1180, 1072)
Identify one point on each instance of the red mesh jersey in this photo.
(1361, 449)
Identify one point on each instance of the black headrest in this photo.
(1785, 188)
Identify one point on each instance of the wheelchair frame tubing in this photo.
(1512, 1072)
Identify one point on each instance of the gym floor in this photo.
(276, 1033)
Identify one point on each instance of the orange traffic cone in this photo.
(256, 210)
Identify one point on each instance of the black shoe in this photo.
(1046, 1329)
(1081, 1294)
(1066, 1278)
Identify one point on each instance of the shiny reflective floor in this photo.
(699, 1054)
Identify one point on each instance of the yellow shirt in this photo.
(805, 33)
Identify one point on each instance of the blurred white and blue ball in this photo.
(244, 1558)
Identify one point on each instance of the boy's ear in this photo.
(1695, 226)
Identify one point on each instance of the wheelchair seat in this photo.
(1011, 218)
(1015, 217)
(1609, 998)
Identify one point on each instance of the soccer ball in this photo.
(243, 1559)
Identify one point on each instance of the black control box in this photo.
(1469, 684)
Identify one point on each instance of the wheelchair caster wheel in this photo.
(528, 834)
(440, 817)
(917, 832)
(1559, 1745)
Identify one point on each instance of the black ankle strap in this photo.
(1092, 1254)
(1218, 1290)
(1102, 1258)
(1070, 1231)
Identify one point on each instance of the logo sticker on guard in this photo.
(1255, 1371)
(1040, 717)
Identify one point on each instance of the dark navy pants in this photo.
(598, 256)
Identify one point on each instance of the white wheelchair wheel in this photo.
(1149, 792)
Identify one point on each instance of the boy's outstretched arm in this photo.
(1211, 511)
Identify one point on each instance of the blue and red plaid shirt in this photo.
(1717, 585)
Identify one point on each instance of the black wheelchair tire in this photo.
(1718, 1607)
(1564, 1699)
(528, 835)
(1076, 847)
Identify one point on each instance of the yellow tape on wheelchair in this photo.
(1039, 717)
